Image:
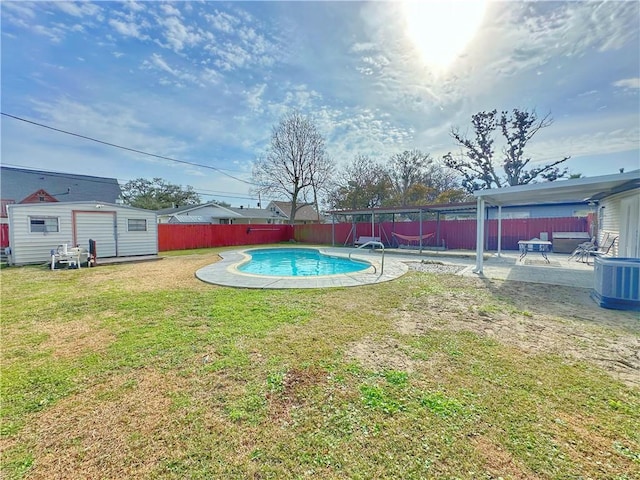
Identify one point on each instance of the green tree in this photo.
(157, 194)
(476, 162)
(363, 183)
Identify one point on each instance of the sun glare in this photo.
(440, 29)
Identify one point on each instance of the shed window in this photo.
(136, 225)
(43, 224)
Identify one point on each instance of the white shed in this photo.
(119, 231)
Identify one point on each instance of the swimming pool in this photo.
(298, 262)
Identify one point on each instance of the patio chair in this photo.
(581, 250)
(602, 250)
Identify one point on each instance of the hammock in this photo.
(412, 238)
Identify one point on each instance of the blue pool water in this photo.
(298, 262)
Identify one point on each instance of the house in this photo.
(305, 213)
(20, 185)
(206, 213)
(253, 216)
(119, 231)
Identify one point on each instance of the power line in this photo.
(184, 162)
(94, 179)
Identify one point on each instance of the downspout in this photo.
(479, 235)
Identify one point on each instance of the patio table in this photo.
(528, 245)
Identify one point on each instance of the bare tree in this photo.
(294, 163)
(408, 170)
(476, 162)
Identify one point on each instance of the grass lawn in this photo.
(143, 371)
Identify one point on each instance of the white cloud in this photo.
(254, 97)
(169, 9)
(222, 21)
(177, 35)
(80, 9)
(128, 29)
(631, 83)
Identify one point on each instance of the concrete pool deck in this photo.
(226, 274)
(507, 267)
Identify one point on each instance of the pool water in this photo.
(298, 262)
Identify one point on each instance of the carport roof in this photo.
(439, 207)
(575, 190)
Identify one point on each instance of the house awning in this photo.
(575, 190)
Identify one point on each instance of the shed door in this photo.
(98, 226)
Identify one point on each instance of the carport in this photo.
(421, 210)
(589, 189)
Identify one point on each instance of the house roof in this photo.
(229, 213)
(574, 190)
(18, 183)
(304, 212)
(255, 212)
(189, 219)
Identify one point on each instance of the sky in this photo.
(205, 82)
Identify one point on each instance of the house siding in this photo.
(35, 247)
(612, 222)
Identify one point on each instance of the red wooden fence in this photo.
(183, 237)
(452, 234)
(4, 235)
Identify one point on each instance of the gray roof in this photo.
(190, 219)
(191, 208)
(303, 211)
(255, 212)
(18, 183)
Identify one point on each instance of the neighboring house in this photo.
(253, 216)
(119, 231)
(20, 185)
(306, 213)
(211, 213)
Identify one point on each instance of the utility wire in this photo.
(184, 162)
(94, 179)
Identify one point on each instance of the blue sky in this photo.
(205, 82)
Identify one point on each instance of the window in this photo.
(43, 224)
(136, 225)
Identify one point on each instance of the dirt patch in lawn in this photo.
(533, 317)
(499, 462)
(74, 338)
(380, 355)
(119, 429)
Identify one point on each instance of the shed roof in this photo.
(86, 204)
(18, 183)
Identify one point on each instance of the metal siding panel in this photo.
(137, 243)
(36, 247)
(98, 226)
